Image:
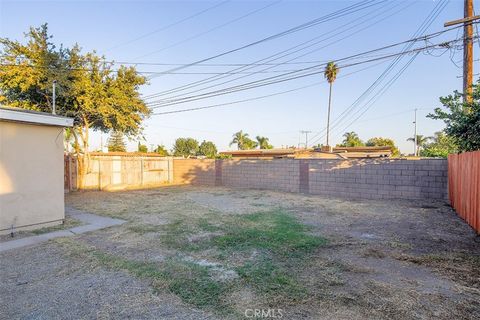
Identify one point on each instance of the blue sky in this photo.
(109, 27)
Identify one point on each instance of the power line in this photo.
(261, 97)
(271, 57)
(204, 81)
(422, 28)
(250, 13)
(328, 17)
(169, 25)
(270, 81)
(343, 59)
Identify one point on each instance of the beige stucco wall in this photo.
(31, 176)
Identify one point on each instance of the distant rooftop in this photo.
(337, 153)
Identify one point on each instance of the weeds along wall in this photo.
(362, 178)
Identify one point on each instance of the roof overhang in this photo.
(33, 117)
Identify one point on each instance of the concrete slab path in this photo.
(92, 222)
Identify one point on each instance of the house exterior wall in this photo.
(31, 176)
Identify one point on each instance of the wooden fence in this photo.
(464, 186)
(119, 171)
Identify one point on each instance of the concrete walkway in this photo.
(91, 222)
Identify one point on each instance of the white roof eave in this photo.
(35, 118)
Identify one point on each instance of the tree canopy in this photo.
(462, 119)
(116, 143)
(440, 146)
(351, 139)
(88, 88)
(383, 142)
(263, 143)
(207, 149)
(185, 147)
(161, 150)
(421, 142)
(243, 141)
(142, 148)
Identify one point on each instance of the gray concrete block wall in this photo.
(280, 174)
(380, 178)
(362, 178)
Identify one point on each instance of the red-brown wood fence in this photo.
(464, 186)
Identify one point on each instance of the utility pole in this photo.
(415, 134)
(305, 132)
(54, 97)
(467, 21)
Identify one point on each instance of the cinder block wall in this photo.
(194, 171)
(379, 179)
(280, 174)
(363, 178)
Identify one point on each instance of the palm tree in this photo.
(421, 141)
(331, 71)
(263, 143)
(239, 138)
(352, 140)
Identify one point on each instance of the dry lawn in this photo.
(215, 252)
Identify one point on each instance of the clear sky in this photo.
(181, 32)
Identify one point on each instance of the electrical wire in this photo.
(423, 27)
(175, 44)
(271, 58)
(169, 25)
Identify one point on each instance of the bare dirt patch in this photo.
(215, 252)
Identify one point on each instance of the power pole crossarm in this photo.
(461, 21)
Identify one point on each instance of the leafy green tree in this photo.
(383, 142)
(462, 119)
(28, 71)
(88, 88)
(421, 141)
(116, 143)
(441, 146)
(207, 149)
(263, 143)
(142, 148)
(351, 139)
(185, 147)
(161, 150)
(243, 141)
(330, 73)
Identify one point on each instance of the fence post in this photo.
(141, 171)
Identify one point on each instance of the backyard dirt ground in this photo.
(218, 253)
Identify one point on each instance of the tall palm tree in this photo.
(421, 141)
(263, 143)
(331, 71)
(239, 138)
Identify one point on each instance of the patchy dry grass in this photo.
(461, 267)
(224, 250)
(276, 242)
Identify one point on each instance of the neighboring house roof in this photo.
(260, 152)
(338, 153)
(34, 117)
